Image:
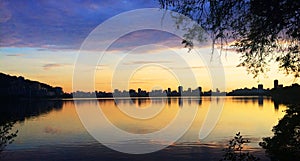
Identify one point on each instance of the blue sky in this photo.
(57, 24)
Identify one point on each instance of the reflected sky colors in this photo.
(63, 127)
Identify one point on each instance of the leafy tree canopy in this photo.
(260, 30)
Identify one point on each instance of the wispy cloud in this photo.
(145, 62)
(52, 130)
(188, 67)
(203, 67)
(101, 66)
(14, 54)
(51, 66)
(146, 37)
(138, 82)
(5, 14)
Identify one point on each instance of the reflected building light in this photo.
(180, 103)
(260, 101)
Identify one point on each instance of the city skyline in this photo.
(276, 84)
(45, 49)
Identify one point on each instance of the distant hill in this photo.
(19, 87)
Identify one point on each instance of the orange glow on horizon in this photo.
(47, 69)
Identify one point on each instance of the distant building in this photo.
(275, 84)
(180, 90)
(200, 90)
(189, 90)
(196, 92)
(157, 93)
(132, 93)
(260, 89)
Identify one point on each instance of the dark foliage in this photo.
(6, 135)
(261, 31)
(235, 152)
(285, 144)
(12, 87)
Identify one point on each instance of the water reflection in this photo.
(55, 124)
(16, 112)
(260, 100)
(20, 110)
(141, 102)
(276, 105)
(180, 103)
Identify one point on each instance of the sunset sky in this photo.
(41, 39)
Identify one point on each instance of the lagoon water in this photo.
(53, 130)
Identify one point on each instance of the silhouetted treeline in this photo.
(286, 95)
(19, 87)
(249, 92)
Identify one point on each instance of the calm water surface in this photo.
(53, 130)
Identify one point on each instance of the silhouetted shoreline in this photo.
(13, 88)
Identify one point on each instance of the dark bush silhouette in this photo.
(235, 152)
(285, 144)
